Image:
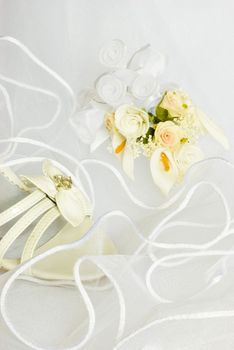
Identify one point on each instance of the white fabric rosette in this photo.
(111, 89)
(148, 65)
(88, 124)
(148, 60)
(113, 53)
(144, 86)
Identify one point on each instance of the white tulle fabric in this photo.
(171, 284)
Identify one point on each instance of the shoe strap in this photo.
(20, 207)
(10, 175)
(41, 227)
(25, 221)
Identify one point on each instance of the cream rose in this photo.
(176, 103)
(186, 156)
(168, 134)
(132, 122)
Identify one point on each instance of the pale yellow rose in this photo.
(176, 103)
(131, 122)
(168, 134)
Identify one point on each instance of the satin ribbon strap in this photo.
(38, 232)
(10, 175)
(24, 222)
(20, 207)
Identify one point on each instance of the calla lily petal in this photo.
(117, 140)
(43, 183)
(72, 205)
(128, 162)
(163, 169)
(213, 129)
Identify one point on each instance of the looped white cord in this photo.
(34, 260)
(168, 203)
(123, 184)
(22, 268)
(56, 76)
(161, 226)
(223, 233)
(179, 317)
(41, 64)
(178, 256)
(9, 108)
(95, 260)
(28, 264)
(55, 150)
(11, 116)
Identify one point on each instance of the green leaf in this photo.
(153, 118)
(150, 132)
(162, 114)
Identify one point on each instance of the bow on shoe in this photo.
(71, 202)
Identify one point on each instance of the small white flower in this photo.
(132, 122)
(113, 53)
(148, 61)
(164, 170)
(71, 202)
(187, 155)
(111, 89)
(144, 86)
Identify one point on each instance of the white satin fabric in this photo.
(171, 284)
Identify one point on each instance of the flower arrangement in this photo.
(130, 107)
(167, 135)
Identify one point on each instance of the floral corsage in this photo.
(128, 106)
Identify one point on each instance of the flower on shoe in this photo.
(186, 155)
(168, 134)
(131, 122)
(177, 103)
(72, 203)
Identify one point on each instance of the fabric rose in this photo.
(132, 122)
(168, 134)
(113, 53)
(176, 103)
(187, 155)
(111, 89)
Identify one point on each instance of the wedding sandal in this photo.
(51, 196)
